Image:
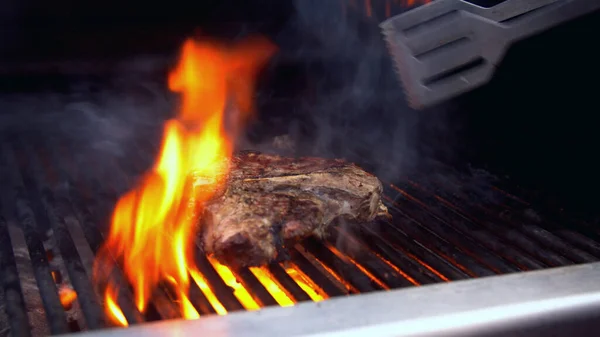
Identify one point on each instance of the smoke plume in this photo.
(349, 102)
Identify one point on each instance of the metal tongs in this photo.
(448, 47)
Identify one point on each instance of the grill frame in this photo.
(525, 238)
(564, 301)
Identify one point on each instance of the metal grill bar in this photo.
(325, 283)
(259, 293)
(587, 250)
(476, 232)
(359, 282)
(162, 306)
(533, 239)
(73, 204)
(434, 224)
(199, 300)
(359, 252)
(288, 283)
(33, 230)
(37, 189)
(222, 290)
(13, 293)
(509, 234)
(587, 234)
(410, 266)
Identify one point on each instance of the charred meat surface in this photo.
(271, 201)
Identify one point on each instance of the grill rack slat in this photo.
(258, 292)
(567, 245)
(412, 268)
(80, 280)
(162, 306)
(90, 227)
(585, 238)
(462, 240)
(326, 284)
(218, 286)
(408, 245)
(509, 233)
(32, 296)
(539, 235)
(199, 300)
(580, 241)
(426, 243)
(485, 237)
(347, 271)
(288, 283)
(359, 252)
(11, 285)
(552, 212)
(56, 317)
(437, 244)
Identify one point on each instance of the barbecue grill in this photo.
(466, 254)
(436, 237)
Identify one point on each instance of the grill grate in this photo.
(54, 217)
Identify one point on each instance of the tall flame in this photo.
(153, 226)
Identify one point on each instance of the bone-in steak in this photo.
(271, 201)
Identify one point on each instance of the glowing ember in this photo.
(153, 226)
(67, 297)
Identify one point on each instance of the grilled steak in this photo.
(272, 201)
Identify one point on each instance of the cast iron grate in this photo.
(446, 227)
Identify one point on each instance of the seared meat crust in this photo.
(271, 201)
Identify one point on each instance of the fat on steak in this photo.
(270, 202)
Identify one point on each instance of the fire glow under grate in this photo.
(50, 233)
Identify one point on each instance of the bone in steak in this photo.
(271, 201)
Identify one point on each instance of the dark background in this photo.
(65, 29)
(332, 86)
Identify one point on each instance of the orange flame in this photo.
(153, 226)
(115, 314)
